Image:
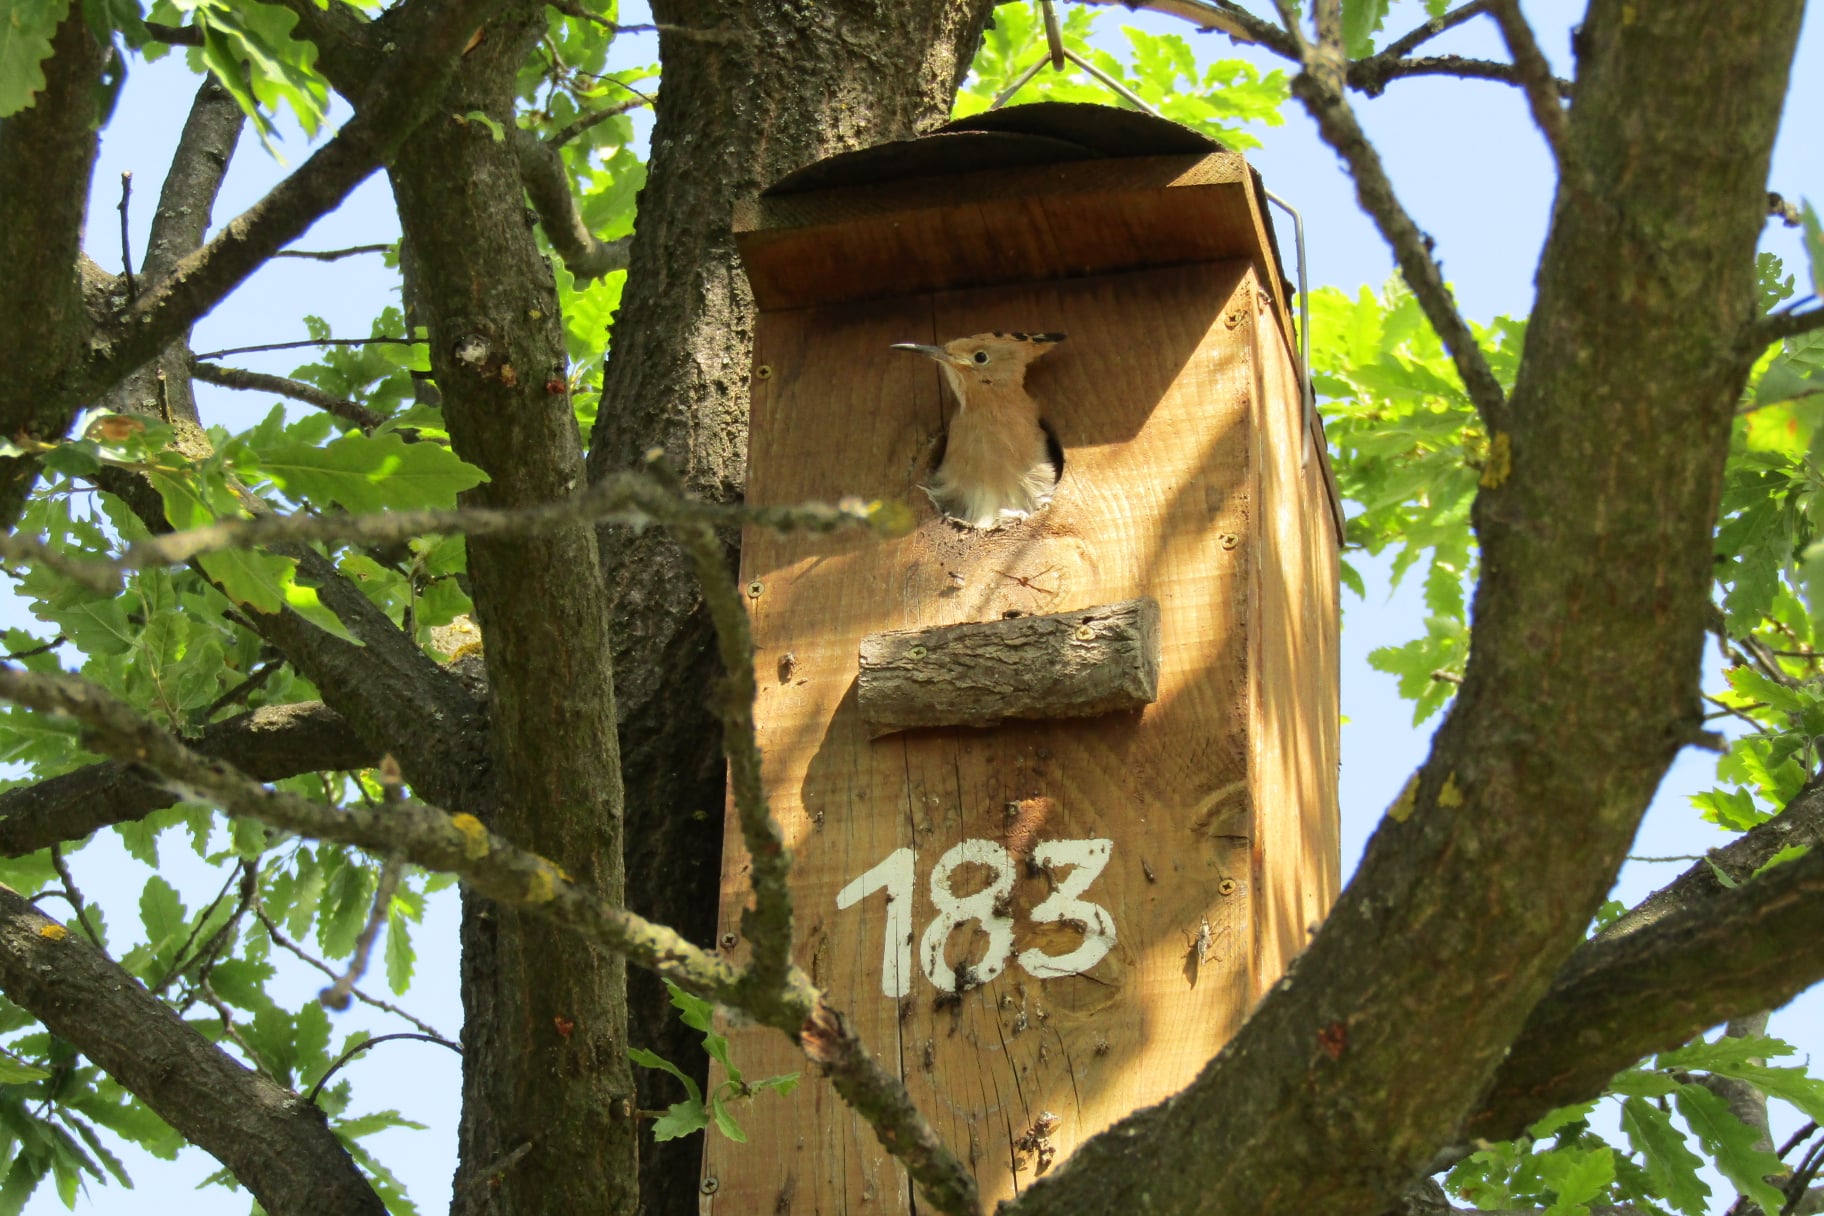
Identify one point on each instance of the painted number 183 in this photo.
(1085, 859)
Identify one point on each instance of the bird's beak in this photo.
(930, 352)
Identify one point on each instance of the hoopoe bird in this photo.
(1000, 462)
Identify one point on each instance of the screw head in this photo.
(764, 371)
(1226, 886)
(729, 941)
(1229, 540)
(916, 652)
(754, 589)
(709, 1185)
(1085, 633)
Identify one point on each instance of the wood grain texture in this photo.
(1057, 665)
(998, 226)
(1295, 710)
(1155, 397)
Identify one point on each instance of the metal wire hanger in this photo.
(1057, 55)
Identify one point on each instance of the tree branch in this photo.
(333, 255)
(343, 36)
(1224, 16)
(388, 690)
(500, 870)
(1776, 327)
(547, 183)
(274, 1143)
(47, 153)
(297, 390)
(1419, 35)
(1692, 954)
(417, 831)
(594, 118)
(399, 100)
(1372, 75)
(269, 743)
(186, 203)
(1411, 248)
(175, 35)
(768, 924)
(1535, 75)
(1596, 544)
(622, 498)
(186, 200)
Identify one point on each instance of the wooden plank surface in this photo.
(1295, 710)
(997, 226)
(1095, 877)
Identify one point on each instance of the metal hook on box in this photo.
(1057, 54)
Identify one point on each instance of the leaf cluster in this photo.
(1220, 98)
(695, 1112)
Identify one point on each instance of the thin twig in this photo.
(337, 995)
(1725, 709)
(208, 996)
(178, 961)
(30, 651)
(333, 255)
(1327, 21)
(73, 895)
(234, 696)
(768, 925)
(501, 871)
(175, 35)
(1371, 75)
(1797, 1138)
(297, 390)
(126, 245)
(1763, 657)
(1222, 16)
(624, 498)
(247, 350)
(1288, 19)
(573, 8)
(362, 1046)
(1336, 120)
(594, 118)
(285, 943)
(1535, 75)
(1419, 35)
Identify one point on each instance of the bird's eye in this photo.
(981, 356)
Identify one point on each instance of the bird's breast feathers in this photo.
(994, 470)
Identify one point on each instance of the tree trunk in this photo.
(752, 91)
(548, 1118)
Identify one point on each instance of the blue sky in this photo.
(1464, 157)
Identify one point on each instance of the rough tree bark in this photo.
(1582, 678)
(752, 91)
(548, 1111)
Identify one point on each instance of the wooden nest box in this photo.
(1045, 861)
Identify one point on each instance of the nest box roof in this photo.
(1033, 192)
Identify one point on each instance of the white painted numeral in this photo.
(1088, 857)
(1082, 862)
(954, 910)
(895, 874)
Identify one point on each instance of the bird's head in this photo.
(988, 359)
